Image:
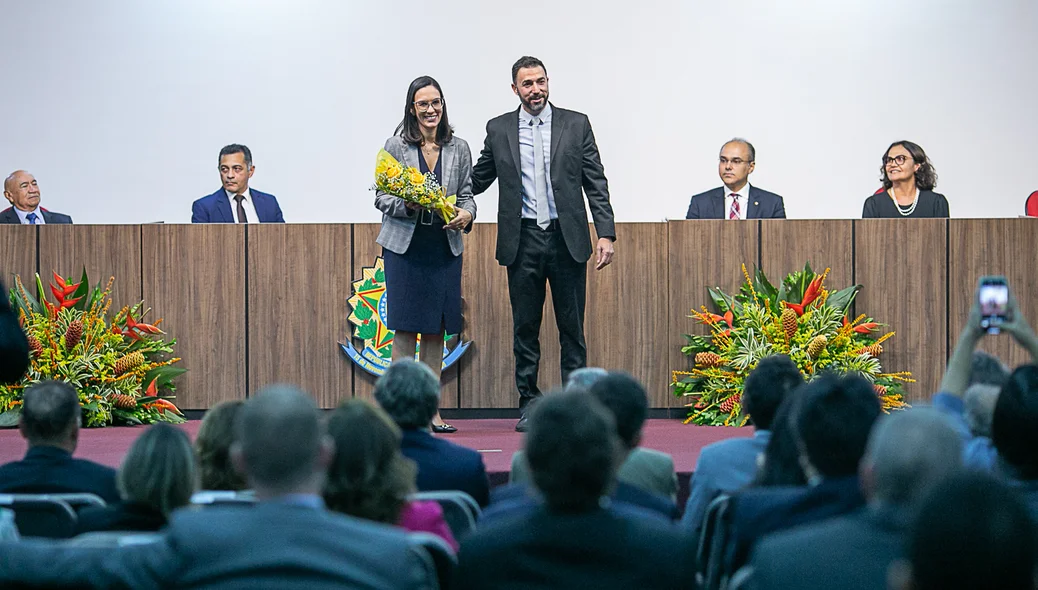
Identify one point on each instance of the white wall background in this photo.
(119, 107)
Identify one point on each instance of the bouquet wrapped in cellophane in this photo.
(392, 178)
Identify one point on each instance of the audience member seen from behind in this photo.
(973, 532)
(213, 447)
(157, 476)
(726, 466)
(410, 393)
(574, 539)
(779, 464)
(908, 182)
(1014, 412)
(22, 191)
(908, 453)
(14, 346)
(50, 422)
(832, 425)
(369, 478)
(286, 539)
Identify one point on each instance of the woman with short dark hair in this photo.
(908, 181)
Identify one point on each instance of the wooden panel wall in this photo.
(18, 256)
(702, 253)
(787, 244)
(104, 250)
(903, 267)
(979, 247)
(198, 286)
(298, 283)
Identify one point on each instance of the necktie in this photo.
(241, 209)
(31, 218)
(539, 181)
(734, 213)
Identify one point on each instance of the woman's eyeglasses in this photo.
(899, 160)
(424, 105)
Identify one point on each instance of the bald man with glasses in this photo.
(736, 199)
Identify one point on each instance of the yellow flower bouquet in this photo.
(408, 183)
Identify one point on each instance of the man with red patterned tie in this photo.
(736, 199)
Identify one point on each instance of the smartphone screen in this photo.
(994, 301)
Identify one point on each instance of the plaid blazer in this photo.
(398, 222)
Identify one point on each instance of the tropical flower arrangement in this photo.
(802, 319)
(120, 366)
(392, 178)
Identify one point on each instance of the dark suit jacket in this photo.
(710, 205)
(269, 545)
(603, 548)
(9, 216)
(929, 204)
(443, 465)
(215, 208)
(50, 470)
(575, 164)
(851, 553)
(519, 496)
(121, 516)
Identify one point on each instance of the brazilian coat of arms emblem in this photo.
(368, 317)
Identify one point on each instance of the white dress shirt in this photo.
(23, 214)
(527, 164)
(743, 195)
(250, 210)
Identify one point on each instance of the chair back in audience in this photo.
(1031, 205)
(40, 515)
(712, 543)
(441, 554)
(460, 510)
(222, 498)
(113, 539)
(80, 501)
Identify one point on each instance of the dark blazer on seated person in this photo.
(121, 516)
(603, 548)
(9, 215)
(514, 495)
(443, 465)
(710, 205)
(216, 208)
(50, 470)
(928, 204)
(272, 544)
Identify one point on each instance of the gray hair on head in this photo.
(909, 452)
(979, 400)
(279, 433)
(584, 377)
(409, 392)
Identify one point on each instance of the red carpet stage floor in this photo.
(496, 440)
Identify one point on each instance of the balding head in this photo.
(907, 454)
(51, 415)
(280, 443)
(21, 191)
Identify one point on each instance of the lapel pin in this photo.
(756, 203)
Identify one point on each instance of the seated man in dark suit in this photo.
(736, 199)
(410, 393)
(50, 424)
(575, 539)
(730, 465)
(833, 423)
(908, 453)
(23, 193)
(286, 540)
(627, 401)
(235, 202)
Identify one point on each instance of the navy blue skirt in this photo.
(423, 285)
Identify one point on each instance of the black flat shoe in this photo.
(443, 428)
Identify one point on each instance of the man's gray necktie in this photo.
(539, 178)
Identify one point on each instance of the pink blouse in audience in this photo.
(426, 517)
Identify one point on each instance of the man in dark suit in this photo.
(21, 190)
(908, 453)
(50, 424)
(575, 539)
(235, 202)
(286, 540)
(736, 199)
(410, 393)
(543, 156)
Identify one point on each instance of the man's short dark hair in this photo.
(279, 432)
(972, 531)
(49, 410)
(236, 148)
(527, 62)
(409, 392)
(625, 398)
(571, 449)
(767, 386)
(1014, 423)
(987, 369)
(834, 420)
